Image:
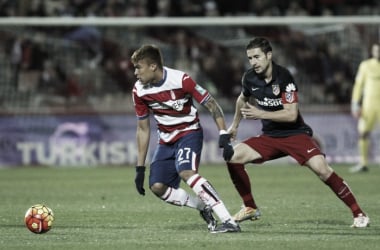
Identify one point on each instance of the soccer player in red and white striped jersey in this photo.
(168, 94)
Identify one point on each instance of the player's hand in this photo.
(251, 112)
(139, 179)
(225, 143)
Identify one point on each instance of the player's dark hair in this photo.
(259, 42)
(150, 53)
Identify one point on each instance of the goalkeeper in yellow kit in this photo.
(365, 103)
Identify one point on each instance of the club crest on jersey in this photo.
(276, 89)
(289, 96)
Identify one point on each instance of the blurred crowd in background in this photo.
(91, 65)
(187, 7)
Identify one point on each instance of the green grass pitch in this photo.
(99, 208)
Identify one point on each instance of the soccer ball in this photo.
(39, 218)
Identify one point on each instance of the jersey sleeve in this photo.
(141, 109)
(289, 90)
(200, 94)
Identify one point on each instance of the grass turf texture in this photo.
(99, 208)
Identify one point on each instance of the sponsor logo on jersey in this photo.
(177, 105)
(290, 87)
(267, 102)
(289, 94)
(276, 89)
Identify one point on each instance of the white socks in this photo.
(206, 195)
(180, 197)
(209, 196)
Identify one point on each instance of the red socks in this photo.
(342, 190)
(242, 183)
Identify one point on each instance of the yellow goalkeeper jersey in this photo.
(367, 84)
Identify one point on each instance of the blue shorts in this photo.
(170, 159)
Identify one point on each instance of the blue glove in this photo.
(225, 143)
(139, 179)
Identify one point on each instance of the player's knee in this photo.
(325, 173)
(320, 167)
(244, 154)
(158, 189)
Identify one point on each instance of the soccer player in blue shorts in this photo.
(269, 93)
(168, 94)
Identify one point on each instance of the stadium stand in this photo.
(81, 66)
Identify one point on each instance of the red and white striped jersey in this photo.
(171, 102)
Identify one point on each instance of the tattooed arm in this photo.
(216, 113)
(224, 138)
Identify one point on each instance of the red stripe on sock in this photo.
(192, 184)
(342, 190)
